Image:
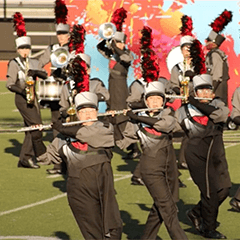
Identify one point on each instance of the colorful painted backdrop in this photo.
(164, 17)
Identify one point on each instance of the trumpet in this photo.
(29, 84)
(116, 112)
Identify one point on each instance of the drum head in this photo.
(49, 89)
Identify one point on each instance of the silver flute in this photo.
(41, 127)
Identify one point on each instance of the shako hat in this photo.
(118, 19)
(22, 40)
(217, 27)
(76, 44)
(186, 31)
(201, 78)
(61, 13)
(154, 88)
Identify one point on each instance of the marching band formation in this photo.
(139, 118)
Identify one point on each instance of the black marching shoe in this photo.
(132, 155)
(28, 164)
(54, 171)
(213, 234)
(235, 204)
(137, 181)
(195, 220)
(181, 184)
(182, 165)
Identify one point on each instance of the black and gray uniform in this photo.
(158, 169)
(177, 74)
(205, 155)
(44, 59)
(90, 184)
(119, 63)
(176, 77)
(33, 145)
(235, 116)
(66, 98)
(217, 67)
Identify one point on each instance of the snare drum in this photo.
(49, 89)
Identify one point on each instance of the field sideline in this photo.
(33, 204)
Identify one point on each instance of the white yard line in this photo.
(50, 199)
(30, 238)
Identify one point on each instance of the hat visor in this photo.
(61, 32)
(24, 46)
(86, 106)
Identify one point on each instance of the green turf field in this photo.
(33, 204)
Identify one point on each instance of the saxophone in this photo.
(29, 85)
(184, 85)
(71, 110)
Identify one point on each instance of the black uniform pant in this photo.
(154, 172)
(93, 203)
(181, 158)
(33, 144)
(118, 91)
(222, 91)
(205, 176)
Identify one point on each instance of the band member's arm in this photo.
(37, 73)
(96, 135)
(217, 69)
(70, 131)
(125, 55)
(174, 80)
(165, 123)
(44, 59)
(105, 51)
(99, 89)
(235, 113)
(12, 77)
(216, 110)
(137, 105)
(143, 119)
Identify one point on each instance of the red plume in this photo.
(146, 39)
(80, 75)
(61, 12)
(149, 59)
(77, 39)
(198, 58)
(187, 26)
(118, 18)
(222, 21)
(19, 24)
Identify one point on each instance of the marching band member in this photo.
(70, 89)
(158, 161)
(203, 120)
(86, 149)
(182, 73)
(21, 76)
(216, 59)
(183, 69)
(235, 116)
(62, 30)
(120, 60)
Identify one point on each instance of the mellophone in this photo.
(113, 112)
